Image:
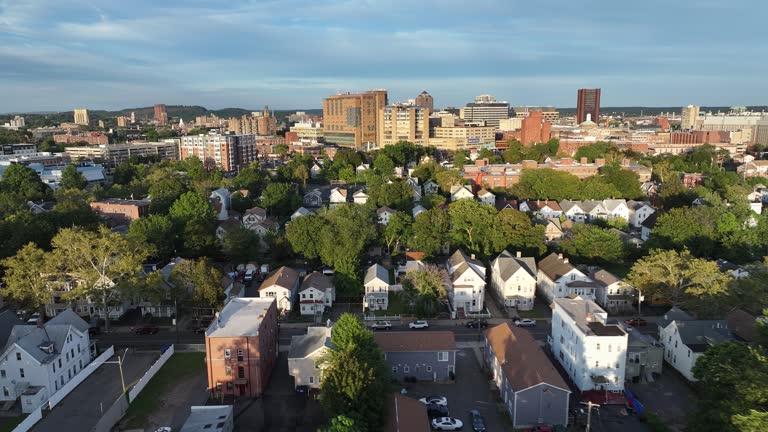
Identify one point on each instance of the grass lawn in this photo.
(7, 424)
(178, 367)
(395, 307)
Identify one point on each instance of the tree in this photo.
(626, 182)
(305, 235)
(104, 262)
(191, 206)
(593, 151)
(200, 280)
(124, 173)
(678, 277)
(430, 231)
(429, 281)
(280, 198)
(473, 226)
(156, 230)
(594, 245)
(347, 232)
(241, 245)
(384, 165)
(165, 188)
(28, 277)
(430, 201)
(71, 178)
(342, 423)
(545, 183)
(197, 239)
(449, 178)
(240, 203)
(398, 195)
(517, 233)
(250, 178)
(23, 181)
(595, 188)
(675, 230)
(396, 230)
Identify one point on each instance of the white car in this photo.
(418, 325)
(437, 400)
(164, 429)
(525, 322)
(446, 424)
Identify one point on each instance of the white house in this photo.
(282, 285)
(611, 292)
(39, 360)
(413, 182)
(221, 199)
(513, 279)
(686, 339)
(315, 171)
(418, 209)
(316, 294)
(360, 197)
(461, 192)
(253, 216)
(594, 210)
(338, 196)
(638, 212)
(430, 187)
(543, 209)
(616, 208)
(558, 278)
(304, 356)
(376, 282)
(302, 211)
(486, 197)
(467, 289)
(384, 213)
(573, 211)
(592, 352)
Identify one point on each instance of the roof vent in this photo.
(47, 347)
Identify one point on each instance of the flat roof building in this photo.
(485, 108)
(351, 120)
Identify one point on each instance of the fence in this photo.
(30, 421)
(79, 378)
(149, 374)
(112, 415)
(381, 318)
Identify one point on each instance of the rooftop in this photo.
(416, 341)
(284, 277)
(405, 414)
(554, 266)
(240, 317)
(304, 345)
(588, 316)
(207, 418)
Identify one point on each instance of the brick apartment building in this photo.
(91, 138)
(534, 129)
(120, 211)
(226, 152)
(351, 120)
(241, 347)
(700, 137)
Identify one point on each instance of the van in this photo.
(264, 268)
(249, 275)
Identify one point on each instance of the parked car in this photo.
(525, 322)
(33, 318)
(477, 421)
(636, 322)
(420, 324)
(149, 330)
(438, 400)
(446, 424)
(435, 410)
(381, 325)
(164, 429)
(249, 275)
(477, 323)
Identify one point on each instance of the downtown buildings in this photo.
(351, 120)
(588, 105)
(258, 123)
(398, 122)
(161, 114)
(486, 109)
(81, 117)
(226, 152)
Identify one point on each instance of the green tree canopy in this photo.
(23, 181)
(280, 199)
(473, 226)
(517, 233)
(305, 235)
(28, 278)
(191, 206)
(71, 178)
(398, 229)
(430, 231)
(198, 280)
(241, 245)
(594, 245)
(155, 230)
(545, 183)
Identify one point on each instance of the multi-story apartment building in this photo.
(309, 130)
(90, 138)
(486, 109)
(259, 123)
(467, 288)
(161, 114)
(403, 122)
(588, 105)
(227, 152)
(592, 352)
(461, 137)
(557, 278)
(425, 100)
(688, 117)
(351, 120)
(534, 129)
(81, 117)
(121, 211)
(548, 113)
(513, 279)
(241, 347)
(115, 154)
(38, 360)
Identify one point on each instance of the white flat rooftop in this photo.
(240, 317)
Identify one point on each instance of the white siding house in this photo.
(592, 352)
(383, 214)
(611, 292)
(686, 339)
(283, 285)
(557, 278)
(638, 212)
(461, 192)
(304, 356)
(376, 284)
(317, 294)
(467, 289)
(513, 279)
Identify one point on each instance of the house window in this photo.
(311, 379)
(394, 369)
(239, 355)
(227, 353)
(598, 347)
(303, 296)
(61, 379)
(609, 347)
(597, 363)
(406, 369)
(240, 372)
(689, 356)
(573, 277)
(311, 295)
(78, 349)
(67, 355)
(442, 356)
(2, 372)
(230, 386)
(228, 370)
(429, 368)
(21, 372)
(18, 356)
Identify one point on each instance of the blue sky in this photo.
(61, 54)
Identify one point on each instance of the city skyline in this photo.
(109, 55)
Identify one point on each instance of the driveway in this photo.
(81, 409)
(669, 397)
(472, 390)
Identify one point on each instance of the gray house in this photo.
(645, 356)
(424, 355)
(533, 391)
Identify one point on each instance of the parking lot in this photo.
(472, 390)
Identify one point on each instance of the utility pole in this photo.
(120, 366)
(589, 405)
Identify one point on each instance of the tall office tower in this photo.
(161, 114)
(226, 152)
(689, 116)
(81, 117)
(122, 121)
(425, 100)
(266, 123)
(403, 122)
(588, 102)
(486, 109)
(351, 120)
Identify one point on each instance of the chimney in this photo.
(565, 260)
(560, 256)
(519, 254)
(218, 319)
(583, 161)
(472, 256)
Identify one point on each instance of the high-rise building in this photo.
(403, 122)
(350, 120)
(161, 114)
(259, 123)
(534, 129)
(133, 117)
(486, 109)
(122, 121)
(226, 152)
(689, 116)
(461, 137)
(425, 100)
(549, 113)
(81, 117)
(588, 102)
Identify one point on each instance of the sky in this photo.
(111, 54)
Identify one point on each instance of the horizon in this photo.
(60, 55)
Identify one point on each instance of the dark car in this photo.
(476, 420)
(150, 330)
(435, 410)
(636, 322)
(200, 330)
(478, 323)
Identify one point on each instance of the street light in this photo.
(120, 366)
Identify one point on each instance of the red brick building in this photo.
(91, 138)
(534, 129)
(588, 102)
(120, 211)
(700, 137)
(241, 347)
